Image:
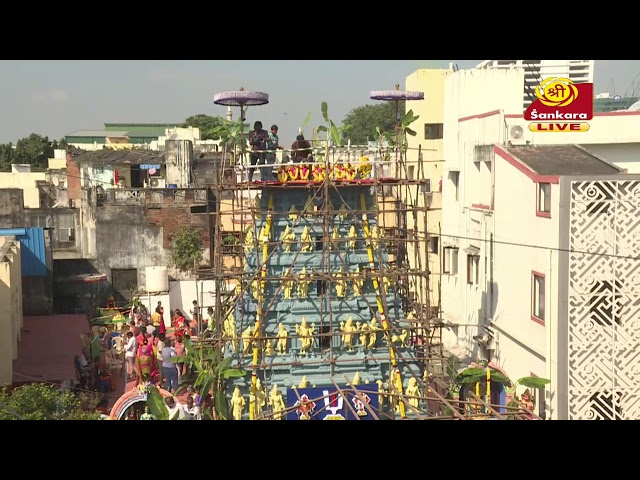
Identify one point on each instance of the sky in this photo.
(55, 97)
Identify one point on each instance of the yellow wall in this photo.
(430, 110)
(57, 163)
(10, 306)
(26, 182)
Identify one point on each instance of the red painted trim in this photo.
(523, 168)
(540, 213)
(543, 276)
(480, 115)
(514, 115)
(481, 206)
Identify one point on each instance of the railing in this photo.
(154, 196)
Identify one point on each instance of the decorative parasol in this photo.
(396, 96)
(243, 99)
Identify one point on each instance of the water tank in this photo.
(157, 279)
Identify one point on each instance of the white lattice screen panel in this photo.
(604, 300)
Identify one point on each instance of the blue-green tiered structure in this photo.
(322, 307)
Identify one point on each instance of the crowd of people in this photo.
(263, 151)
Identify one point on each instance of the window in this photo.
(433, 131)
(124, 281)
(231, 243)
(454, 177)
(198, 209)
(450, 260)
(411, 174)
(537, 297)
(473, 270)
(433, 244)
(65, 231)
(543, 200)
(39, 221)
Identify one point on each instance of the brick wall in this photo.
(74, 189)
(171, 218)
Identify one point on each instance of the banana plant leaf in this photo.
(471, 379)
(325, 111)
(472, 371)
(221, 405)
(499, 377)
(533, 382)
(335, 134)
(156, 404)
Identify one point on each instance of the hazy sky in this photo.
(54, 98)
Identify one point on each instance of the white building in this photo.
(578, 71)
(507, 216)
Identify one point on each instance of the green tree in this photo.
(361, 123)
(207, 124)
(187, 248)
(7, 157)
(34, 150)
(41, 401)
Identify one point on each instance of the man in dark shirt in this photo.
(300, 150)
(258, 140)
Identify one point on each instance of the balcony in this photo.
(154, 196)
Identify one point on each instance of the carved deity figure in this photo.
(386, 283)
(335, 238)
(343, 212)
(288, 238)
(305, 332)
(374, 234)
(304, 383)
(247, 339)
(381, 397)
(364, 330)
(260, 397)
(248, 240)
(348, 329)
(269, 351)
(306, 243)
(341, 284)
(277, 402)
(373, 333)
(413, 390)
(356, 379)
(288, 286)
(353, 234)
(282, 339)
(263, 238)
(358, 282)
(237, 404)
(303, 283)
(293, 213)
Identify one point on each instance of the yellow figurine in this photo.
(282, 339)
(341, 284)
(348, 330)
(237, 404)
(255, 288)
(305, 333)
(343, 212)
(306, 243)
(269, 351)
(288, 286)
(335, 238)
(303, 283)
(261, 396)
(386, 283)
(293, 213)
(356, 379)
(381, 396)
(413, 390)
(373, 335)
(263, 238)
(239, 290)
(304, 383)
(247, 338)
(277, 402)
(288, 238)
(364, 337)
(358, 282)
(353, 243)
(248, 240)
(374, 234)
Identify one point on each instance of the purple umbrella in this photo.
(241, 98)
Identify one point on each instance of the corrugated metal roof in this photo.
(98, 133)
(33, 253)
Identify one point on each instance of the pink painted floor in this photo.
(47, 347)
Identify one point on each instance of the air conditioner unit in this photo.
(157, 182)
(519, 135)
